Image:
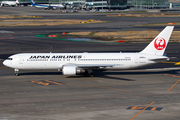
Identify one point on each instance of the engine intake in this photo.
(71, 70)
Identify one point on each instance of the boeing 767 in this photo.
(47, 6)
(75, 63)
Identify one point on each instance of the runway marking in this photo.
(172, 75)
(148, 108)
(101, 87)
(4, 67)
(40, 83)
(175, 83)
(178, 63)
(57, 83)
(50, 82)
(46, 82)
(142, 110)
(175, 63)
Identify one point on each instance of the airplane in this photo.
(46, 6)
(75, 63)
(10, 3)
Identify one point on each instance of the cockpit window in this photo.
(9, 59)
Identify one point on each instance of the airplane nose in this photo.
(5, 63)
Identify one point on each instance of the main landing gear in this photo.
(16, 72)
(89, 73)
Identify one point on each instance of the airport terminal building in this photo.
(109, 4)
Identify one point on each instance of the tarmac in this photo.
(112, 94)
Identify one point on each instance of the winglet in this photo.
(159, 44)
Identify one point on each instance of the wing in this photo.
(94, 66)
(73, 69)
(91, 66)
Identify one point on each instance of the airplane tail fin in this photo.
(32, 2)
(159, 44)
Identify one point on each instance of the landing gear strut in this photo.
(16, 72)
(89, 73)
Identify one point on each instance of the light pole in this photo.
(109, 4)
(102, 5)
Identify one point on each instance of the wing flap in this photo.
(84, 66)
(94, 65)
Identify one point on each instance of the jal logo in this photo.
(160, 43)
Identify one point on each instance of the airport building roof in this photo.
(142, 4)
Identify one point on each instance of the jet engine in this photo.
(71, 70)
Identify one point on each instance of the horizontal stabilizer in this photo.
(159, 59)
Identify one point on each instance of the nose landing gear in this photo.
(16, 72)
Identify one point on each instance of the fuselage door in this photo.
(20, 60)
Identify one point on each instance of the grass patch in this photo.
(129, 36)
(43, 22)
(148, 15)
(18, 16)
(92, 33)
(161, 24)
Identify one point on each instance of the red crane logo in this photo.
(160, 43)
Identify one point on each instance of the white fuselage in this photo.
(10, 3)
(58, 60)
(47, 5)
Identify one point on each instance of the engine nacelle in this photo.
(71, 70)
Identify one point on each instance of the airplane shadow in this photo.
(117, 75)
(102, 76)
(40, 73)
(113, 74)
(98, 73)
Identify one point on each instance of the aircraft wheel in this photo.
(16, 74)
